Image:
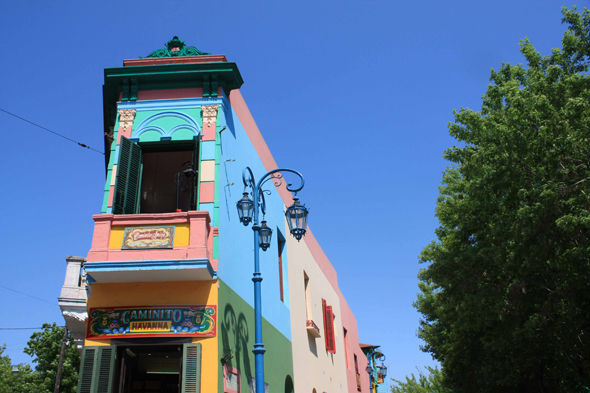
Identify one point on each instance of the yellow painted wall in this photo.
(165, 293)
(181, 235)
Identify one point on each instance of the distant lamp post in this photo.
(248, 211)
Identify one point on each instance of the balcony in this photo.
(152, 247)
(72, 300)
(312, 328)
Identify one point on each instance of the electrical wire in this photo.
(36, 328)
(53, 132)
(26, 294)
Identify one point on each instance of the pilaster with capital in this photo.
(209, 113)
(126, 117)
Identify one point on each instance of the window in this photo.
(281, 243)
(156, 177)
(358, 376)
(307, 296)
(345, 332)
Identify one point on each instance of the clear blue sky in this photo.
(365, 88)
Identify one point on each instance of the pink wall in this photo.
(348, 319)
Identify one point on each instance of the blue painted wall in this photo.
(236, 242)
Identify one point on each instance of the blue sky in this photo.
(365, 88)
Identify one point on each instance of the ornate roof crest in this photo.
(176, 48)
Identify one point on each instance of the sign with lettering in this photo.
(138, 238)
(162, 321)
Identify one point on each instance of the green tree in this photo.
(25, 381)
(505, 296)
(45, 347)
(431, 383)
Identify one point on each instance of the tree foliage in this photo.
(45, 347)
(25, 381)
(504, 297)
(431, 383)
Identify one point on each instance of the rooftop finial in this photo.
(176, 48)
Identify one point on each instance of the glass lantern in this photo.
(265, 236)
(297, 219)
(245, 209)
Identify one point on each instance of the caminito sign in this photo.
(163, 321)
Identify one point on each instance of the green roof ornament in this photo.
(176, 48)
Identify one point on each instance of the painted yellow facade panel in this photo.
(165, 293)
(207, 170)
(181, 236)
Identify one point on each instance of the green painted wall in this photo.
(236, 335)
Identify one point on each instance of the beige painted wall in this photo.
(313, 365)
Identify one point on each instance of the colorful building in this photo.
(164, 300)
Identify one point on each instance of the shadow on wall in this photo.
(235, 335)
(312, 345)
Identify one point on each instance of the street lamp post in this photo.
(248, 211)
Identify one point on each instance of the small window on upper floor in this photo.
(156, 177)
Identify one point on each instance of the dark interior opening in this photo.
(163, 190)
(150, 369)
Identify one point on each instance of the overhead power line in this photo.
(36, 328)
(26, 294)
(53, 132)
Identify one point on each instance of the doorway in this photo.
(150, 369)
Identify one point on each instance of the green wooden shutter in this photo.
(128, 185)
(196, 164)
(191, 368)
(104, 369)
(86, 368)
(96, 369)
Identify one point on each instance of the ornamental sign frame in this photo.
(141, 238)
(145, 321)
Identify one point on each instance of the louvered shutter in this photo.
(127, 187)
(96, 369)
(330, 342)
(191, 368)
(324, 316)
(196, 162)
(86, 369)
(104, 369)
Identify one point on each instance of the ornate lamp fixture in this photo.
(382, 370)
(297, 219)
(245, 209)
(265, 236)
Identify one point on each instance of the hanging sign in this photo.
(162, 321)
(138, 238)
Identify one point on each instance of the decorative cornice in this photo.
(176, 48)
(126, 117)
(77, 316)
(209, 114)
